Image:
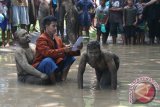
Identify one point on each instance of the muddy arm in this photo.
(81, 70)
(112, 68)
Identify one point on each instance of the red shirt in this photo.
(45, 47)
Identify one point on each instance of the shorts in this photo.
(116, 28)
(130, 31)
(20, 15)
(3, 25)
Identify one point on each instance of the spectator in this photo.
(141, 23)
(44, 10)
(5, 21)
(20, 14)
(129, 22)
(85, 7)
(116, 19)
(102, 14)
(32, 14)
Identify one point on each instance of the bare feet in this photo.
(2, 46)
(7, 45)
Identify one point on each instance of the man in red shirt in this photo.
(52, 56)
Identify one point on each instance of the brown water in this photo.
(136, 61)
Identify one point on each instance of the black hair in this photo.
(93, 45)
(47, 20)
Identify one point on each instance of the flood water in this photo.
(135, 61)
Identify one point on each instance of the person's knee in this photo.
(70, 59)
(47, 66)
(49, 62)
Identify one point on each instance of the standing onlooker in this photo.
(32, 14)
(151, 15)
(130, 21)
(158, 21)
(55, 6)
(116, 19)
(20, 14)
(140, 24)
(85, 7)
(44, 10)
(5, 20)
(102, 24)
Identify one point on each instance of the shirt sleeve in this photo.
(45, 50)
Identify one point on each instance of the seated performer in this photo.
(52, 56)
(24, 56)
(106, 65)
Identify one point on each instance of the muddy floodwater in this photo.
(135, 61)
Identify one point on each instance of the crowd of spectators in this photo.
(133, 19)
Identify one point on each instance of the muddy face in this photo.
(93, 56)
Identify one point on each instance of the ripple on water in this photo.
(3, 85)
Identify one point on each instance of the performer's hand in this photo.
(68, 49)
(80, 46)
(44, 76)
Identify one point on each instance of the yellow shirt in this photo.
(17, 3)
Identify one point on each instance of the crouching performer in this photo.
(24, 56)
(106, 65)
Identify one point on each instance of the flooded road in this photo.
(135, 61)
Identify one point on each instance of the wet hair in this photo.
(47, 20)
(93, 45)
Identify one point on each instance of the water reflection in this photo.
(136, 61)
(3, 86)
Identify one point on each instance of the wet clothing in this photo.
(30, 79)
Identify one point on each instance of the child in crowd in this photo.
(116, 19)
(140, 24)
(85, 8)
(4, 21)
(130, 21)
(102, 25)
